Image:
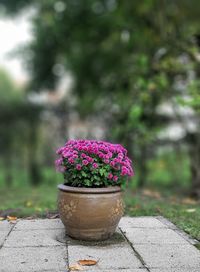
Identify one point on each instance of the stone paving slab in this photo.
(153, 236)
(3, 235)
(36, 224)
(141, 244)
(5, 229)
(110, 257)
(33, 259)
(6, 226)
(141, 222)
(175, 270)
(169, 256)
(183, 234)
(36, 238)
(123, 270)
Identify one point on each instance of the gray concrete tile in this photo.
(3, 235)
(6, 226)
(122, 270)
(39, 224)
(110, 257)
(169, 255)
(166, 222)
(175, 270)
(153, 236)
(170, 225)
(40, 237)
(33, 259)
(140, 222)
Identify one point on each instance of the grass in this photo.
(28, 201)
(22, 200)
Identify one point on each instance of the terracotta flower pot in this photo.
(90, 213)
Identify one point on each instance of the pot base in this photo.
(91, 234)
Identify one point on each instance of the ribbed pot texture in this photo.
(90, 214)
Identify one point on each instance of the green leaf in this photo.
(87, 182)
(101, 171)
(84, 174)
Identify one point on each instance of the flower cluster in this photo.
(91, 163)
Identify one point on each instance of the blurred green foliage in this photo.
(18, 129)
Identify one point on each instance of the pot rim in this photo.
(84, 190)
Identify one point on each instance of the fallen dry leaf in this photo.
(30, 217)
(54, 216)
(75, 267)
(1, 218)
(11, 218)
(87, 262)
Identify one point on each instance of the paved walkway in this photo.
(140, 244)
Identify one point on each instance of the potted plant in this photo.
(90, 200)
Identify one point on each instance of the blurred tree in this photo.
(192, 99)
(17, 117)
(125, 57)
(9, 97)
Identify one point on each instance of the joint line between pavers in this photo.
(67, 261)
(8, 235)
(39, 246)
(38, 229)
(135, 251)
